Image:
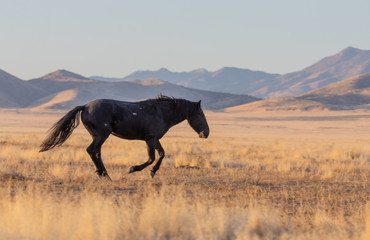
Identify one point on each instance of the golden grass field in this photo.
(260, 175)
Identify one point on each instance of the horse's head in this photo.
(198, 121)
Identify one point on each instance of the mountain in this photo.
(347, 63)
(349, 94)
(65, 76)
(162, 74)
(60, 80)
(227, 79)
(105, 79)
(63, 89)
(15, 92)
(67, 90)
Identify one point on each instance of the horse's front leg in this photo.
(161, 156)
(151, 146)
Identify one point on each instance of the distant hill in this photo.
(63, 90)
(166, 75)
(221, 89)
(348, 94)
(60, 80)
(15, 92)
(139, 90)
(65, 76)
(105, 79)
(227, 79)
(347, 63)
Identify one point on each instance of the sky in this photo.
(114, 38)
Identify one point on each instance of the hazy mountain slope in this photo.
(232, 80)
(106, 79)
(228, 79)
(135, 91)
(65, 76)
(348, 63)
(163, 74)
(279, 104)
(348, 94)
(67, 90)
(15, 92)
(60, 80)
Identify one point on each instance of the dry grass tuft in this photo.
(256, 177)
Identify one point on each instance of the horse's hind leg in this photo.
(151, 146)
(94, 151)
(161, 156)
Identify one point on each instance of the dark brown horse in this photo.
(146, 120)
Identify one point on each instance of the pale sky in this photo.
(115, 38)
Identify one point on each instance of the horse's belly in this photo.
(136, 130)
(129, 133)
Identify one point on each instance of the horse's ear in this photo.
(198, 104)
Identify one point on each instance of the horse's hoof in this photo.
(152, 174)
(132, 169)
(104, 176)
(108, 178)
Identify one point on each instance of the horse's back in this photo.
(129, 120)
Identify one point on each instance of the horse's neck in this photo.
(175, 117)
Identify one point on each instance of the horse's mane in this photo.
(182, 106)
(164, 98)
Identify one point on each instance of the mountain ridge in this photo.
(15, 92)
(348, 94)
(63, 90)
(225, 79)
(76, 88)
(347, 63)
(65, 76)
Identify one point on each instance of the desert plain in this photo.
(259, 175)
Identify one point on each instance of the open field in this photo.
(261, 175)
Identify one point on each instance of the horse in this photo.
(146, 120)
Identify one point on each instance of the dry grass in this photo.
(258, 176)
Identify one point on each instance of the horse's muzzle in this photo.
(203, 134)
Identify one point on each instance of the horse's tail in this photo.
(62, 129)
